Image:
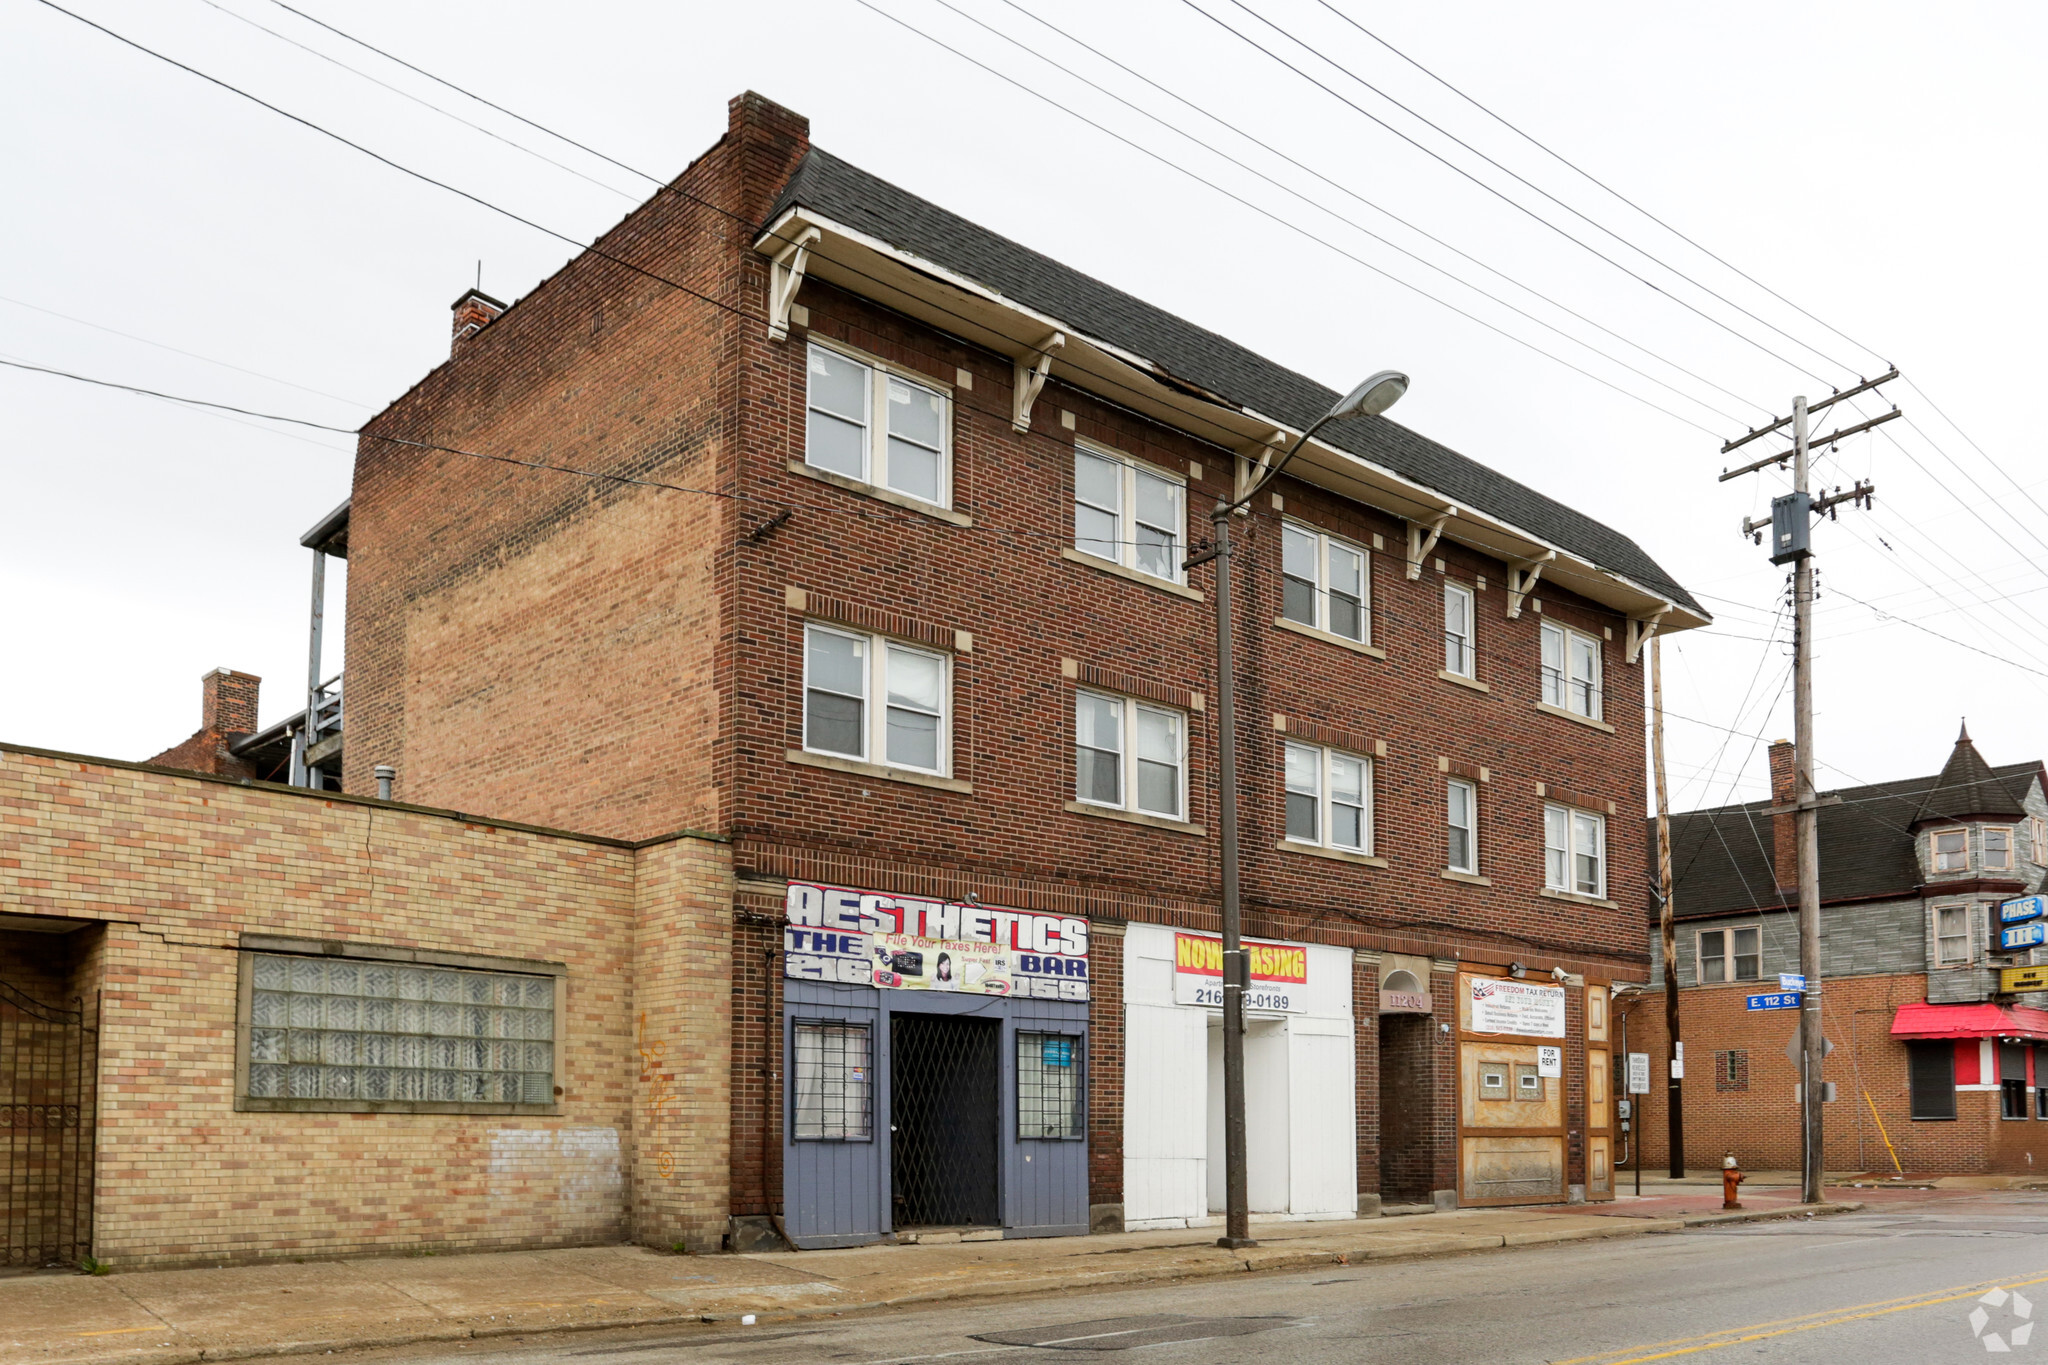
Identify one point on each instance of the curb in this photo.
(1702, 1220)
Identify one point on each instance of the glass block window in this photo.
(1049, 1091)
(347, 1029)
(834, 1083)
(1731, 1070)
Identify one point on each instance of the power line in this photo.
(1904, 620)
(176, 398)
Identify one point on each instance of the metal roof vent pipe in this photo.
(385, 775)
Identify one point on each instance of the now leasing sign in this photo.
(907, 943)
(1279, 973)
(1501, 1005)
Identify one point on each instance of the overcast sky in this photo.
(1875, 164)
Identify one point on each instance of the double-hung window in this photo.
(832, 1095)
(1951, 935)
(872, 699)
(1129, 514)
(1574, 851)
(1329, 798)
(1130, 755)
(1324, 583)
(1951, 850)
(904, 449)
(1461, 655)
(1730, 954)
(1998, 848)
(1571, 670)
(1461, 802)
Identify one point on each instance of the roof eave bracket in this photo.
(1522, 576)
(1641, 628)
(785, 277)
(1423, 538)
(1030, 378)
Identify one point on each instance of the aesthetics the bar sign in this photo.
(866, 938)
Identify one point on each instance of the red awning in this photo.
(1923, 1020)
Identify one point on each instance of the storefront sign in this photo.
(2029, 935)
(1279, 974)
(2022, 910)
(865, 938)
(1500, 1005)
(2012, 979)
(1550, 1061)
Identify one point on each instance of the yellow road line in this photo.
(1735, 1336)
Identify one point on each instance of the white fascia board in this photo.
(795, 220)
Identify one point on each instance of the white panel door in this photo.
(1323, 1136)
(1166, 1100)
(1268, 1116)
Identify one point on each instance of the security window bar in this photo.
(1461, 654)
(1323, 583)
(1050, 1094)
(1951, 935)
(1574, 851)
(906, 452)
(337, 1029)
(1951, 850)
(1329, 798)
(1129, 515)
(1461, 807)
(1730, 955)
(842, 670)
(1998, 849)
(1130, 755)
(833, 1088)
(1571, 670)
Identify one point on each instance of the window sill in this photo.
(1461, 680)
(880, 494)
(1574, 717)
(1576, 899)
(1337, 855)
(879, 770)
(1329, 638)
(245, 1104)
(1100, 565)
(1133, 817)
(1468, 878)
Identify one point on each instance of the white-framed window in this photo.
(1571, 670)
(2037, 844)
(832, 1093)
(867, 697)
(1325, 583)
(1461, 815)
(1461, 653)
(1951, 849)
(1329, 798)
(1952, 946)
(1129, 514)
(1130, 754)
(1998, 848)
(1730, 954)
(1574, 851)
(907, 451)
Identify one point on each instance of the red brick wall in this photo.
(1105, 1068)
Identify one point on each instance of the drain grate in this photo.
(1125, 1334)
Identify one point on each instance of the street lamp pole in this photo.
(1374, 396)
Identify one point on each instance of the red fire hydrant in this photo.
(1731, 1177)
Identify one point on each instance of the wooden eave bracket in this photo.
(1641, 628)
(785, 277)
(1423, 538)
(1030, 379)
(1522, 576)
(1254, 460)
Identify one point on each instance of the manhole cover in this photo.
(1124, 1334)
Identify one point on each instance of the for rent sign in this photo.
(1279, 973)
(1501, 1005)
(867, 938)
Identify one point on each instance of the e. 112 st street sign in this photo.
(1775, 1000)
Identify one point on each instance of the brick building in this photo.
(1933, 1063)
(801, 511)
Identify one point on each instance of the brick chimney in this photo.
(227, 711)
(1784, 834)
(772, 141)
(474, 311)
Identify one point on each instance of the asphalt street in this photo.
(1897, 1283)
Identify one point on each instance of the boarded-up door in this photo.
(1511, 1131)
(1166, 1102)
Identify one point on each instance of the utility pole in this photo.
(1674, 1098)
(1790, 525)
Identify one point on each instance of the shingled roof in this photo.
(1967, 787)
(847, 195)
(1721, 858)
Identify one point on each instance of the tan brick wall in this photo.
(179, 867)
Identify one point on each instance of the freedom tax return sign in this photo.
(906, 943)
(1503, 1005)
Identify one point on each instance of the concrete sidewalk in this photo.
(147, 1318)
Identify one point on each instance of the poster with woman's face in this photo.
(906, 962)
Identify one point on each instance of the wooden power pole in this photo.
(1674, 1099)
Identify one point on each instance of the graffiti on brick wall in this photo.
(660, 1087)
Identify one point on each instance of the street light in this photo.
(1369, 399)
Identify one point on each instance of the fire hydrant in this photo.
(1731, 1178)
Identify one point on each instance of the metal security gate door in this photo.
(944, 1109)
(49, 1076)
